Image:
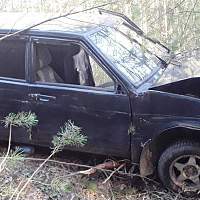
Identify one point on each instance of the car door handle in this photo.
(46, 98)
(34, 96)
(42, 97)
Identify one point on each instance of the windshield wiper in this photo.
(129, 21)
(133, 26)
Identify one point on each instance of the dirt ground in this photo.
(59, 181)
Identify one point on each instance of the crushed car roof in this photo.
(75, 24)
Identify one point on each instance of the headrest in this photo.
(43, 56)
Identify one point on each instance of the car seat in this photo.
(45, 73)
(82, 64)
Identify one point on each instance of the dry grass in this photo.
(56, 181)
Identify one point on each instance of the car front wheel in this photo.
(179, 166)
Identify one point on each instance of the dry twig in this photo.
(116, 170)
(54, 18)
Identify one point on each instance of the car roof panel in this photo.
(77, 24)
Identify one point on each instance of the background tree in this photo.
(175, 22)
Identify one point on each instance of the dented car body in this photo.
(138, 112)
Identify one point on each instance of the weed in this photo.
(69, 134)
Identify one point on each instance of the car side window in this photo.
(101, 79)
(12, 59)
(69, 64)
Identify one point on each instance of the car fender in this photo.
(147, 158)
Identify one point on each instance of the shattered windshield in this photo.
(128, 55)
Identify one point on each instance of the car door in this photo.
(103, 115)
(13, 85)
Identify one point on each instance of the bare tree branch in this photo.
(171, 9)
(190, 13)
(54, 18)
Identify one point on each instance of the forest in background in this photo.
(176, 23)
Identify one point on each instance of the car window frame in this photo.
(26, 59)
(57, 41)
(131, 85)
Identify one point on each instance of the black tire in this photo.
(168, 160)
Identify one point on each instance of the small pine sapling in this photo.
(22, 119)
(69, 135)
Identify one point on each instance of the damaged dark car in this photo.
(112, 80)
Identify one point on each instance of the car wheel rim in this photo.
(185, 172)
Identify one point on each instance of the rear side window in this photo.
(12, 59)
